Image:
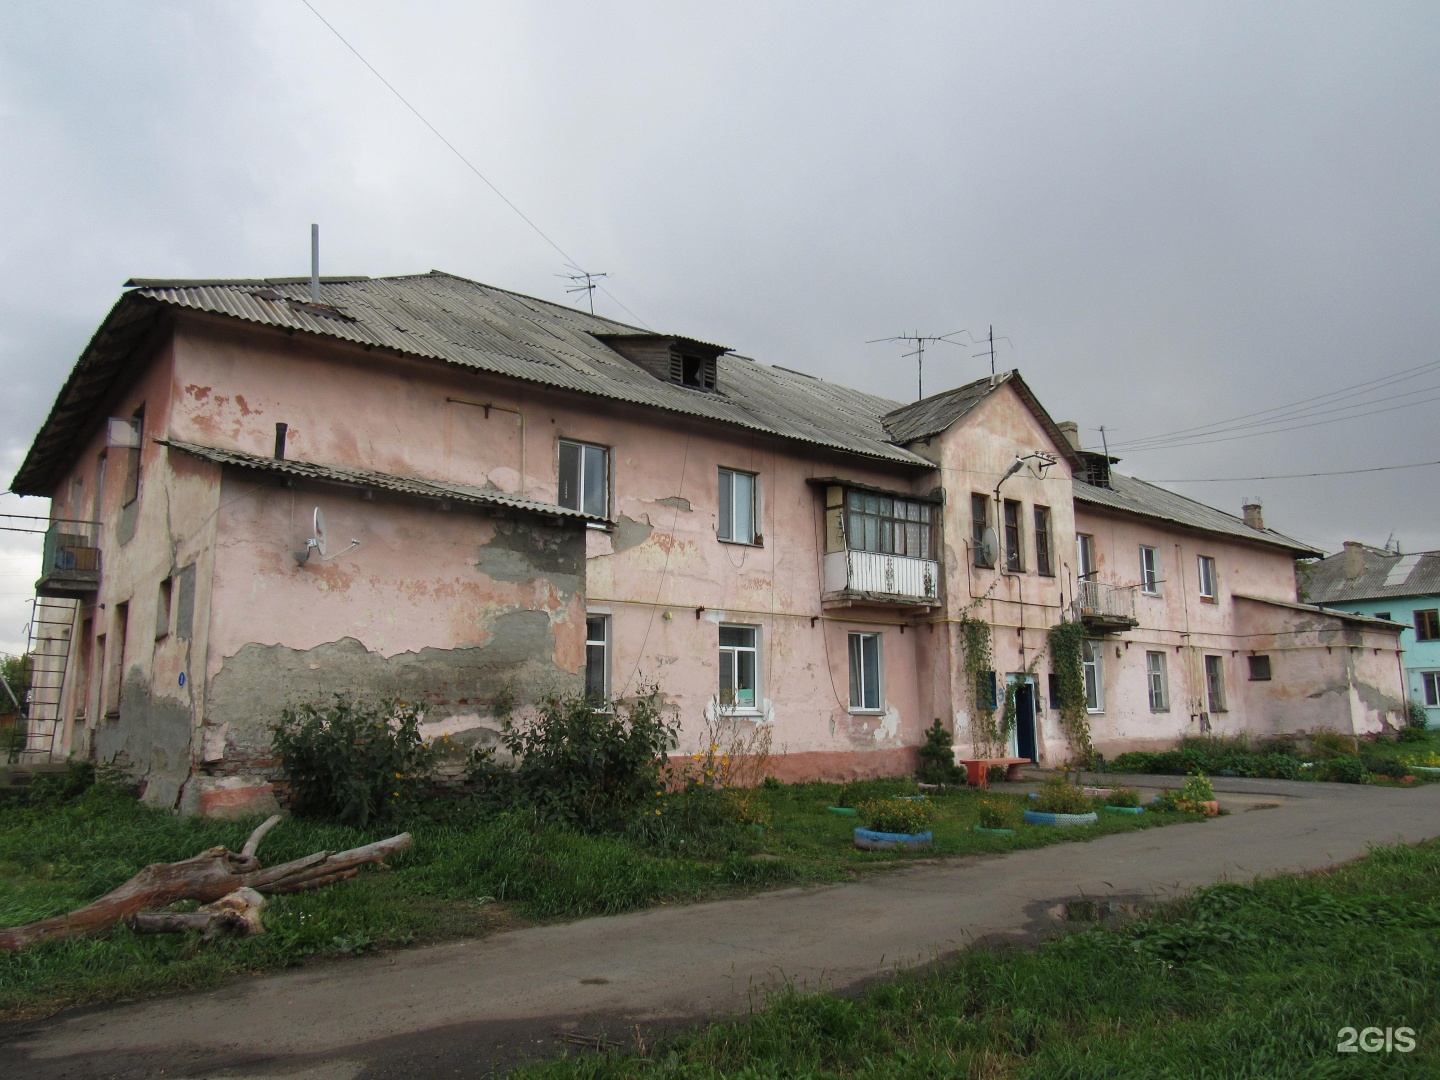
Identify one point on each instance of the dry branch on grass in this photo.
(210, 877)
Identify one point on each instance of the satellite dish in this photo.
(989, 545)
(320, 535)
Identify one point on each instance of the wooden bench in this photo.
(977, 770)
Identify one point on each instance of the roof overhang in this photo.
(1314, 609)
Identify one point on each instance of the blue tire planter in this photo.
(869, 840)
(1035, 817)
(1427, 770)
(1126, 809)
(992, 832)
(843, 811)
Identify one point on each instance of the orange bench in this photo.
(977, 770)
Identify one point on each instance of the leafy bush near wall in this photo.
(354, 762)
(588, 768)
(1217, 757)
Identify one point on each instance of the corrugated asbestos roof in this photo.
(443, 317)
(1326, 583)
(1343, 616)
(366, 478)
(1137, 497)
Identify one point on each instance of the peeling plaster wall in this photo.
(446, 608)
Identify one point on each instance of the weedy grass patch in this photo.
(468, 873)
(1238, 981)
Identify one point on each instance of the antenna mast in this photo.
(919, 352)
(584, 282)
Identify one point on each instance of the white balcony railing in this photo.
(1104, 603)
(870, 573)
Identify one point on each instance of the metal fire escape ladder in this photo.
(48, 646)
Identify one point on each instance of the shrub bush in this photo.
(998, 815)
(895, 815)
(1345, 770)
(587, 767)
(937, 757)
(1059, 796)
(1329, 743)
(355, 762)
(1412, 734)
(1415, 716)
(1125, 796)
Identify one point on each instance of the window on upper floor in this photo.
(979, 522)
(737, 506)
(1427, 624)
(1383, 615)
(1209, 585)
(1014, 552)
(890, 526)
(1150, 571)
(1042, 541)
(127, 436)
(1085, 555)
(585, 478)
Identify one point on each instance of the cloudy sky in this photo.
(1175, 214)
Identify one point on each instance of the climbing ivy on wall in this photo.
(984, 732)
(1066, 640)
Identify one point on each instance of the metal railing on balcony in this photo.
(70, 566)
(875, 575)
(1104, 606)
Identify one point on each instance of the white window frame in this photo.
(581, 489)
(1093, 662)
(1209, 579)
(1085, 556)
(1430, 688)
(734, 652)
(1215, 687)
(867, 680)
(1157, 681)
(603, 644)
(1149, 570)
(729, 500)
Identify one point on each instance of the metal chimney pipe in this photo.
(315, 264)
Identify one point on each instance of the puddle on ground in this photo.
(1087, 909)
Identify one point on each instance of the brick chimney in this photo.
(1250, 510)
(1354, 564)
(1071, 430)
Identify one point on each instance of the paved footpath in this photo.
(454, 1010)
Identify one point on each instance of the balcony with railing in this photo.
(71, 562)
(879, 578)
(1106, 609)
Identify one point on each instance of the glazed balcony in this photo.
(70, 567)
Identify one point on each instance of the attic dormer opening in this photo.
(1094, 469)
(679, 361)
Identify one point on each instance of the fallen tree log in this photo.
(207, 878)
(235, 915)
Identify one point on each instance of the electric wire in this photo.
(463, 159)
(1292, 476)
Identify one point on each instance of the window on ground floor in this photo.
(597, 658)
(1090, 655)
(1431, 679)
(1259, 668)
(865, 674)
(1215, 683)
(1158, 681)
(740, 668)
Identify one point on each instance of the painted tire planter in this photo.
(869, 840)
(843, 811)
(1125, 809)
(1035, 817)
(1428, 770)
(992, 832)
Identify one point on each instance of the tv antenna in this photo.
(584, 282)
(989, 351)
(918, 352)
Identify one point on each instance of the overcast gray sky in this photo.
(1176, 213)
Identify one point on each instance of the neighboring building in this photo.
(543, 499)
(1387, 585)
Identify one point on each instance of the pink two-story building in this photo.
(520, 498)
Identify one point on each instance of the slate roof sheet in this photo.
(1326, 583)
(1149, 500)
(352, 477)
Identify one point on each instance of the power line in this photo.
(1294, 476)
(463, 159)
(1295, 407)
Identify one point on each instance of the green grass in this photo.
(1235, 982)
(456, 881)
